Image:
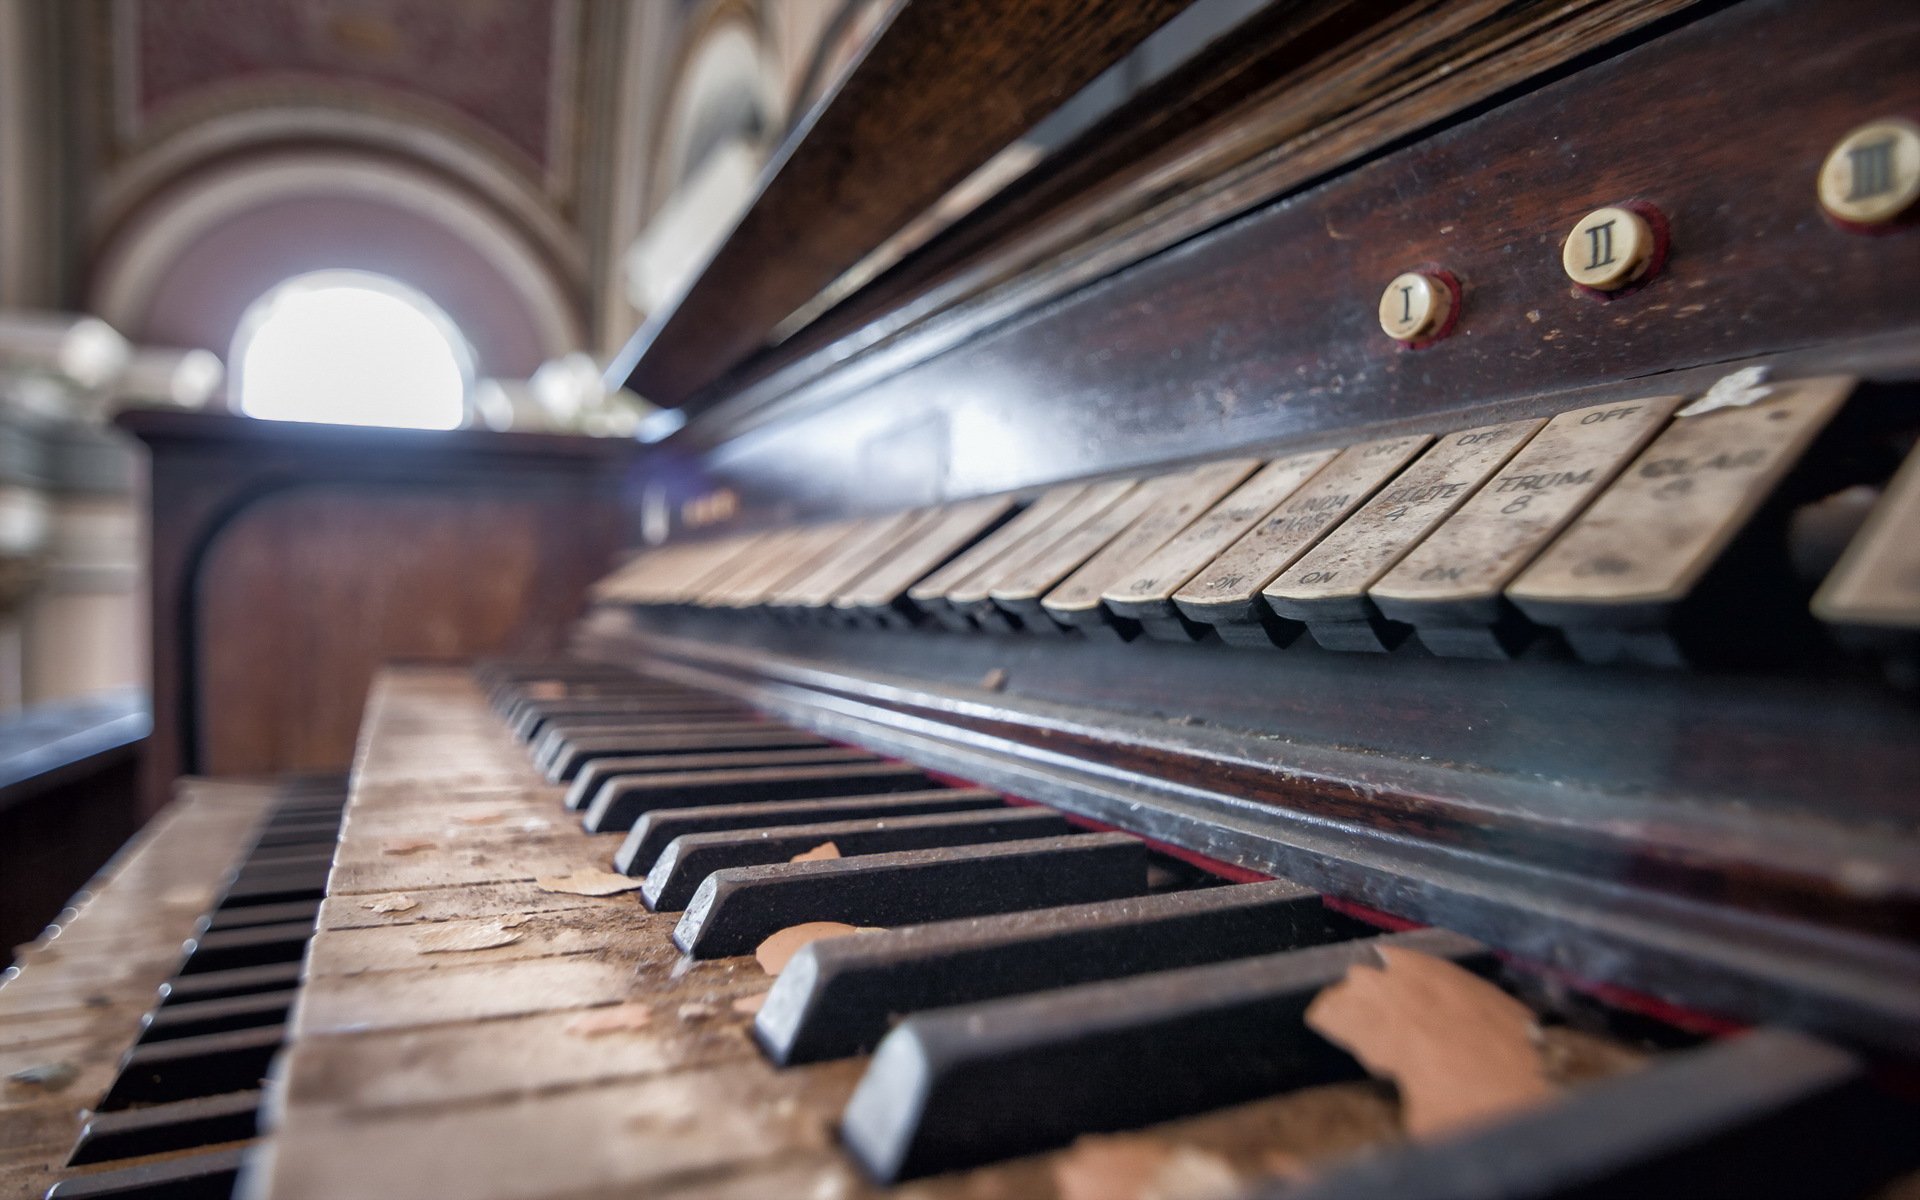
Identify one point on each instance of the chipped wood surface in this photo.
(75, 1005)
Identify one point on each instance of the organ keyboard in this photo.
(1123, 625)
(1020, 983)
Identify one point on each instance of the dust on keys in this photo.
(486, 1016)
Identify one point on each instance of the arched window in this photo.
(351, 348)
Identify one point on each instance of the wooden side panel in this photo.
(305, 593)
(318, 550)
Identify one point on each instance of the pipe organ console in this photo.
(1473, 543)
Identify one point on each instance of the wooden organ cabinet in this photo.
(1395, 551)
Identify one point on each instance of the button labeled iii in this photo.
(1873, 174)
(1416, 306)
(1611, 248)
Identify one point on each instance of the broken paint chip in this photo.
(747, 1006)
(774, 953)
(451, 939)
(824, 850)
(48, 1077)
(1137, 1167)
(696, 1011)
(491, 818)
(392, 904)
(407, 846)
(1461, 1051)
(621, 1018)
(1285, 1164)
(1746, 386)
(588, 881)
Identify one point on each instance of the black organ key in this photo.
(166, 1128)
(529, 710)
(185, 1068)
(240, 981)
(536, 724)
(262, 863)
(262, 914)
(690, 858)
(208, 1175)
(567, 758)
(546, 748)
(961, 1086)
(309, 834)
(223, 950)
(623, 801)
(652, 832)
(595, 775)
(1758, 1114)
(839, 996)
(198, 1017)
(736, 909)
(267, 886)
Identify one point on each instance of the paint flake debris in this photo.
(1461, 1051)
(451, 939)
(1136, 1167)
(621, 1018)
(774, 953)
(588, 881)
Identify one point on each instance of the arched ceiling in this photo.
(160, 159)
(446, 144)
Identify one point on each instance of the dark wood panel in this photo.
(305, 594)
(944, 86)
(1294, 93)
(415, 561)
(1264, 331)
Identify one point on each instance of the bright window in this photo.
(351, 348)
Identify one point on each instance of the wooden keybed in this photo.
(582, 1046)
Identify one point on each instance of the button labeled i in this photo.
(1873, 174)
(1611, 248)
(1416, 306)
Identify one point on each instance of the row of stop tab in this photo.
(1653, 529)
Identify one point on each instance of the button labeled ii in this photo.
(1416, 306)
(1611, 248)
(1873, 174)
